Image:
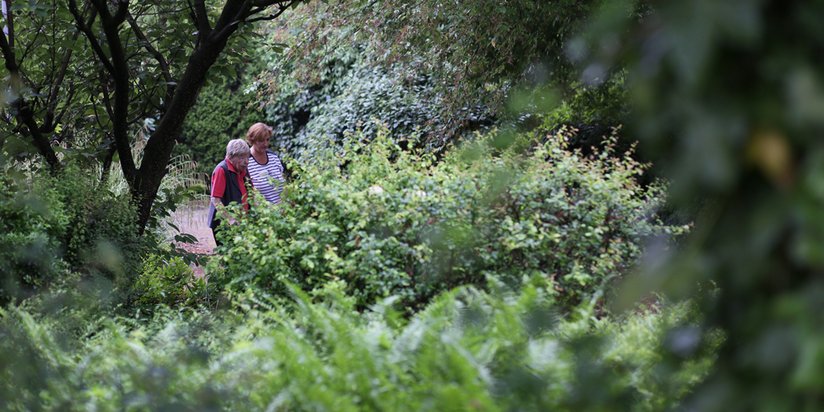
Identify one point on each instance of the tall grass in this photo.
(182, 172)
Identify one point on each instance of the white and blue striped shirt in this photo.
(267, 178)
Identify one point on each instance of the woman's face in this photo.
(239, 163)
(262, 144)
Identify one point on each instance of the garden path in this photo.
(191, 219)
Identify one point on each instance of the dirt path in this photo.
(191, 219)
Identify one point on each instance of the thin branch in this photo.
(96, 114)
(54, 39)
(54, 88)
(107, 99)
(281, 8)
(66, 106)
(266, 3)
(120, 75)
(24, 111)
(111, 148)
(85, 27)
(31, 44)
(10, 23)
(164, 65)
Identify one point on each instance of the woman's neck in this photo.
(260, 156)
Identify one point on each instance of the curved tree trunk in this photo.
(159, 147)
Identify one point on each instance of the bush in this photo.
(66, 223)
(168, 281)
(348, 98)
(102, 234)
(389, 222)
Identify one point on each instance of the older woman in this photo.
(229, 182)
(265, 168)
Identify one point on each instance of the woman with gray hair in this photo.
(229, 183)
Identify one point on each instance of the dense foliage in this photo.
(474, 49)
(467, 350)
(347, 94)
(168, 280)
(395, 278)
(385, 221)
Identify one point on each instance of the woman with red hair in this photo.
(265, 168)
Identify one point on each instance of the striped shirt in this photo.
(267, 178)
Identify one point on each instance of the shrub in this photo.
(347, 99)
(66, 223)
(390, 222)
(102, 234)
(168, 281)
(316, 93)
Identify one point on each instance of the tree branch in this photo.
(122, 10)
(266, 3)
(54, 89)
(204, 29)
(29, 46)
(9, 23)
(102, 8)
(107, 100)
(120, 75)
(281, 8)
(233, 13)
(60, 115)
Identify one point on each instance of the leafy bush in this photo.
(347, 98)
(390, 222)
(467, 350)
(168, 281)
(102, 233)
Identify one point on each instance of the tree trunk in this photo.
(159, 148)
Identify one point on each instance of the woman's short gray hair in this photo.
(237, 148)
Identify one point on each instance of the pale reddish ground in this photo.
(191, 219)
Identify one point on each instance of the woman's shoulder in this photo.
(220, 167)
(273, 156)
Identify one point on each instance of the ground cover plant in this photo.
(468, 349)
